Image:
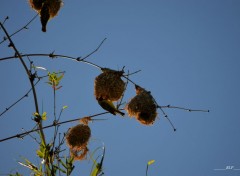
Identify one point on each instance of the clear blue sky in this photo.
(189, 54)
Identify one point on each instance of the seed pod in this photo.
(36, 4)
(78, 136)
(109, 85)
(142, 107)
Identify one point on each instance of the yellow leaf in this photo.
(44, 116)
(64, 107)
(35, 114)
(151, 162)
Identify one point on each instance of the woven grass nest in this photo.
(53, 6)
(142, 107)
(77, 140)
(109, 85)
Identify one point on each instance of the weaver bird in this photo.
(109, 106)
(44, 16)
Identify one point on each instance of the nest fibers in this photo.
(142, 107)
(77, 140)
(109, 85)
(53, 6)
(47, 9)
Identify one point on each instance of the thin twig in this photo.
(165, 115)
(126, 84)
(186, 109)
(24, 27)
(49, 126)
(6, 18)
(24, 96)
(31, 79)
(53, 56)
(94, 50)
(132, 73)
(34, 138)
(126, 77)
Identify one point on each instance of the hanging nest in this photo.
(77, 139)
(109, 85)
(142, 107)
(79, 154)
(36, 4)
(53, 6)
(47, 9)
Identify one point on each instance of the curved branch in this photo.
(30, 77)
(53, 56)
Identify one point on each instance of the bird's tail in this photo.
(119, 112)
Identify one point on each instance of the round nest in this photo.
(143, 108)
(36, 4)
(53, 6)
(78, 136)
(109, 85)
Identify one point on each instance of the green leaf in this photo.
(60, 77)
(63, 164)
(58, 168)
(17, 174)
(44, 116)
(40, 154)
(36, 114)
(64, 107)
(50, 83)
(151, 162)
(97, 167)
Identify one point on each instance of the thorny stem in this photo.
(53, 56)
(165, 115)
(49, 126)
(31, 79)
(186, 109)
(176, 107)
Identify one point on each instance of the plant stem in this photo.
(31, 79)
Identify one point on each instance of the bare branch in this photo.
(30, 77)
(49, 126)
(132, 73)
(24, 96)
(186, 109)
(53, 56)
(24, 27)
(94, 50)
